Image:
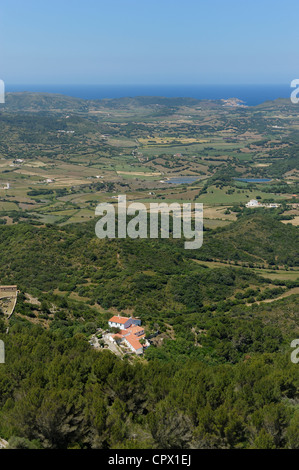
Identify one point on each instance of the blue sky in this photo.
(149, 42)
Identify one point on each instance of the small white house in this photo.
(253, 203)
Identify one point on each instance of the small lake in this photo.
(182, 180)
(253, 180)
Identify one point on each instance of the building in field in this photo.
(253, 203)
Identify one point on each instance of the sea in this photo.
(251, 95)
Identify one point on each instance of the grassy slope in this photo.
(258, 238)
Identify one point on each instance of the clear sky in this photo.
(149, 41)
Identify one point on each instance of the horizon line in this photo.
(147, 84)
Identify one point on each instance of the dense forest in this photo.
(56, 393)
(222, 376)
(258, 239)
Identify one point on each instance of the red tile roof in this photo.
(135, 329)
(124, 332)
(121, 320)
(133, 341)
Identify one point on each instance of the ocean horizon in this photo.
(252, 95)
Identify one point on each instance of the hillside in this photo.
(259, 239)
(213, 354)
(155, 278)
(137, 274)
(43, 102)
(220, 320)
(33, 102)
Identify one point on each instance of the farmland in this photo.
(69, 154)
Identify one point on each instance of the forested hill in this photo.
(50, 102)
(221, 375)
(140, 273)
(158, 279)
(34, 102)
(258, 238)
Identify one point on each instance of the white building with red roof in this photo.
(120, 322)
(133, 343)
(123, 322)
(130, 334)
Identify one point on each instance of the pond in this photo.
(253, 180)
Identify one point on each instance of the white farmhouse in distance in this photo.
(253, 203)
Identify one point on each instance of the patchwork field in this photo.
(58, 166)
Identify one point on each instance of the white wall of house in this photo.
(121, 326)
(140, 333)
